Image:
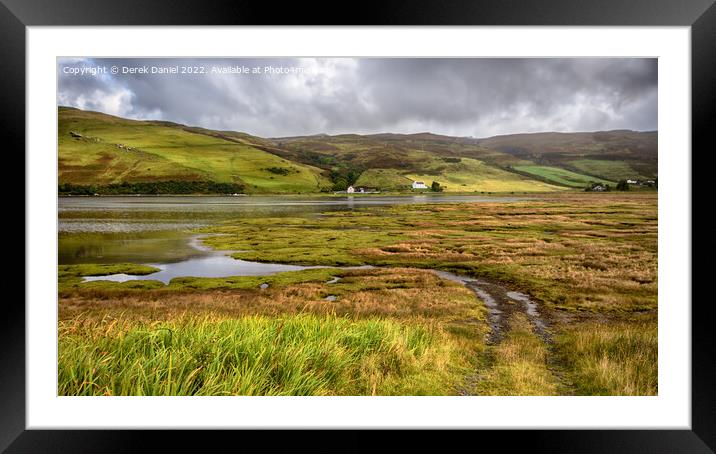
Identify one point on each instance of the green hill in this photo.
(100, 150)
(107, 154)
(394, 161)
(611, 155)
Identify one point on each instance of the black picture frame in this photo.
(16, 15)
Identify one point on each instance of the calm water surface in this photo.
(211, 265)
(157, 230)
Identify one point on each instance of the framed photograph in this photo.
(482, 222)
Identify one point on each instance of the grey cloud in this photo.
(464, 97)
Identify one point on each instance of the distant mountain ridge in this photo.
(108, 153)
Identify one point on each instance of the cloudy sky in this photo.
(301, 96)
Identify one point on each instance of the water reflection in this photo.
(156, 229)
(212, 265)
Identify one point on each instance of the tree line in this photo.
(154, 187)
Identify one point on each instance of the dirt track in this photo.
(501, 304)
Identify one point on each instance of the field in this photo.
(476, 176)
(560, 176)
(612, 170)
(464, 175)
(589, 262)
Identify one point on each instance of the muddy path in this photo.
(501, 303)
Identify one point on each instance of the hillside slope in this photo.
(116, 155)
(394, 161)
(613, 155)
(100, 149)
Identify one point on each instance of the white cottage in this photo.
(419, 185)
(350, 190)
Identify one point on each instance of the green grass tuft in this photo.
(294, 355)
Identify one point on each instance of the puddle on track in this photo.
(501, 303)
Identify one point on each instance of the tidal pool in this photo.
(213, 265)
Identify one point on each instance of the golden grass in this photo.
(611, 358)
(575, 252)
(393, 292)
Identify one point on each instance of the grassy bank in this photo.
(396, 331)
(294, 355)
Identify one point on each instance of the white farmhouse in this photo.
(419, 185)
(350, 190)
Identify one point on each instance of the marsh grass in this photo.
(291, 355)
(592, 256)
(70, 281)
(390, 292)
(573, 252)
(390, 331)
(611, 358)
(97, 269)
